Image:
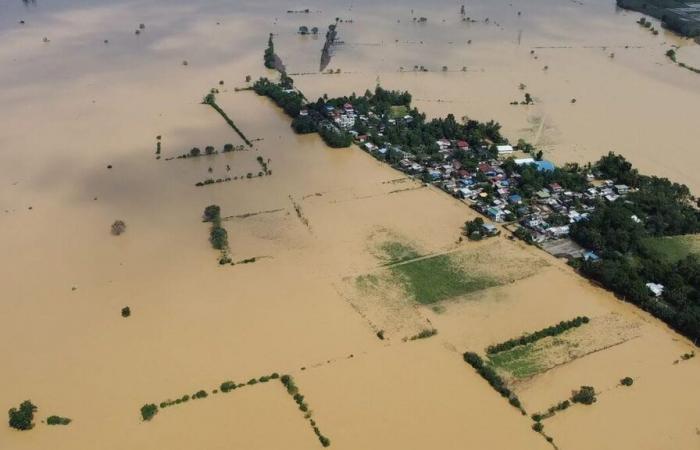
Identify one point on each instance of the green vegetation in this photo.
(561, 406)
(148, 411)
(334, 137)
(293, 390)
(424, 334)
(672, 249)
(490, 375)
(525, 339)
(585, 395)
(395, 252)
(627, 381)
(58, 420)
(126, 312)
(217, 234)
(520, 361)
(282, 94)
(269, 55)
(210, 99)
(399, 111)
(22, 418)
(627, 261)
(437, 278)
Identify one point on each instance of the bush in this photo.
(227, 386)
(22, 418)
(209, 150)
(586, 395)
(148, 411)
(118, 227)
(212, 213)
(537, 426)
(195, 151)
(200, 394)
(57, 420)
(126, 311)
(218, 238)
(252, 381)
(627, 381)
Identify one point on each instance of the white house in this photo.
(656, 289)
(504, 149)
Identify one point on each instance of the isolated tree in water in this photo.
(118, 227)
(22, 418)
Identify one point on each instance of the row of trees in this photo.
(489, 374)
(290, 101)
(293, 390)
(525, 339)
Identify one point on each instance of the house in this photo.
(522, 161)
(463, 145)
(543, 194)
(515, 199)
(590, 256)
(504, 149)
(555, 187)
(370, 147)
(489, 229)
(304, 112)
(496, 214)
(362, 138)
(621, 189)
(656, 289)
(443, 144)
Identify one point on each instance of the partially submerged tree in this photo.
(118, 227)
(22, 418)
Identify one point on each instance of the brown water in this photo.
(73, 106)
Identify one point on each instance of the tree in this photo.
(118, 227)
(585, 395)
(209, 150)
(528, 99)
(22, 418)
(218, 238)
(195, 151)
(148, 411)
(126, 311)
(303, 30)
(212, 213)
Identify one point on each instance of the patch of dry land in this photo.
(346, 250)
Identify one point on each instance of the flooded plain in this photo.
(79, 116)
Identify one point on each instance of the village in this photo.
(489, 187)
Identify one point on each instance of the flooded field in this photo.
(80, 112)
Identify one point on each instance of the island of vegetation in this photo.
(681, 16)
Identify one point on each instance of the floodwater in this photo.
(74, 105)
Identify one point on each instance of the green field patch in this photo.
(437, 278)
(520, 362)
(396, 112)
(393, 252)
(673, 248)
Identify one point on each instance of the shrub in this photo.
(324, 441)
(537, 426)
(228, 148)
(148, 411)
(627, 381)
(200, 394)
(57, 420)
(126, 311)
(212, 213)
(22, 418)
(585, 395)
(227, 386)
(218, 238)
(252, 381)
(195, 151)
(118, 227)
(209, 150)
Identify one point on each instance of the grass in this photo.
(521, 361)
(674, 248)
(395, 252)
(397, 112)
(437, 278)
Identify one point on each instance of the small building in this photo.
(504, 149)
(489, 229)
(621, 189)
(656, 289)
(515, 199)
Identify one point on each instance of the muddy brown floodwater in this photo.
(97, 94)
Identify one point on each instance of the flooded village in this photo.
(347, 225)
